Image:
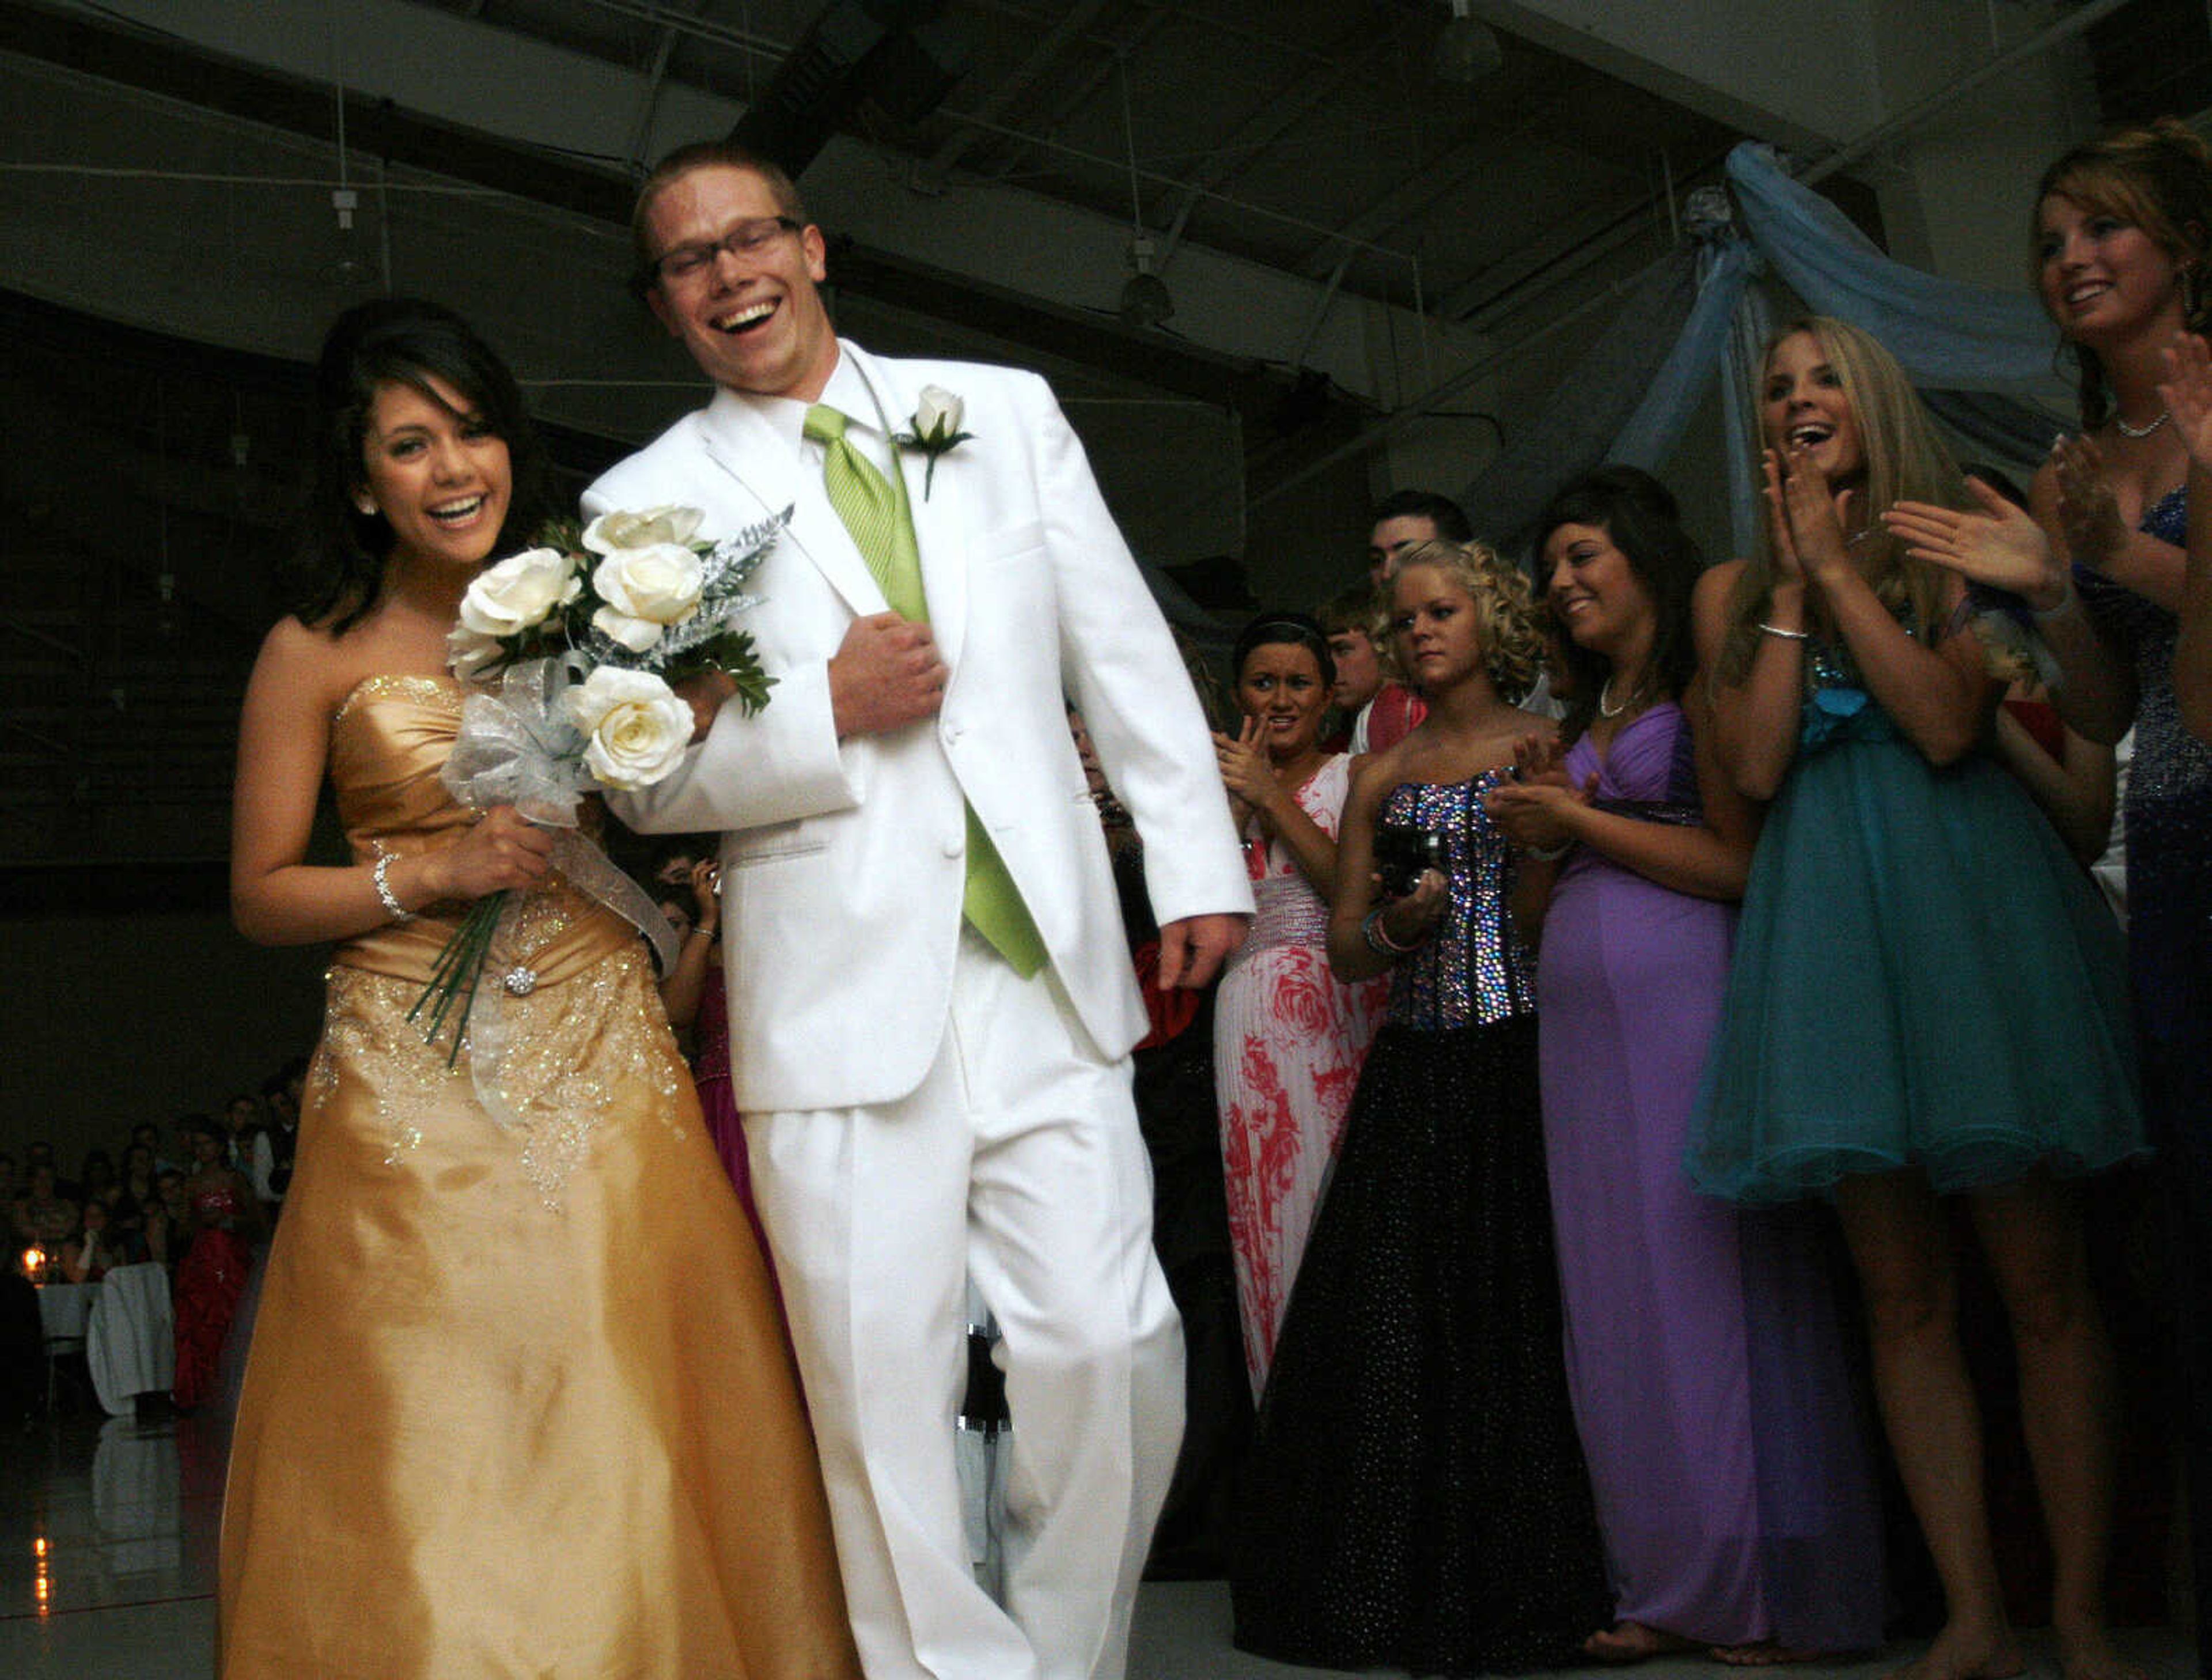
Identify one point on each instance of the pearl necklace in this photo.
(1604, 694)
(2142, 432)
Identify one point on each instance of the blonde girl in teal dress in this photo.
(1927, 996)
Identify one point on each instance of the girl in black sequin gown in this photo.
(1416, 1497)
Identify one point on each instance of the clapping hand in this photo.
(2002, 546)
(1532, 808)
(1246, 770)
(1806, 520)
(2088, 513)
(2186, 391)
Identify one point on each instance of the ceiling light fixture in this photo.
(1144, 299)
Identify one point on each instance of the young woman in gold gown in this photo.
(519, 1401)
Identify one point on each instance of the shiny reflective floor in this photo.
(107, 1567)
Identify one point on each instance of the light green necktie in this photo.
(880, 521)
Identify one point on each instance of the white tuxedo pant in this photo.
(1018, 1161)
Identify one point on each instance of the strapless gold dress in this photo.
(519, 1402)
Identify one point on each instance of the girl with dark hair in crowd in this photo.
(561, 1299)
(1415, 1495)
(1288, 1036)
(1927, 996)
(1704, 1352)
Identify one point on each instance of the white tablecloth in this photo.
(132, 1343)
(64, 1308)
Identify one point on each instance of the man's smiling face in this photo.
(753, 321)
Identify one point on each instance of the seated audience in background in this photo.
(97, 1248)
(42, 1213)
(135, 1191)
(1381, 709)
(149, 1134)
(166, 1221)
(241, 1120)
(97, 1181)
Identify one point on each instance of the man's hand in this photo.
(884, 675)
(1192, 950)
(704, 694)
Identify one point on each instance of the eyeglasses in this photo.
(748, 239)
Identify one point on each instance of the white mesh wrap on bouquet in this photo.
(516, 747)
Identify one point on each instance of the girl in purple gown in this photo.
(1704, 1355)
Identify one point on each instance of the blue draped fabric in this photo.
(1986, 359)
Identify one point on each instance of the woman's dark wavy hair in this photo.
(1290, 630)
(408, 341)
(1640, 514)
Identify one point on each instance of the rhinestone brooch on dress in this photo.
(520, 982)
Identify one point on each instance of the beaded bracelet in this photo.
(1378, 937)
(1786, 635)
(399, 912)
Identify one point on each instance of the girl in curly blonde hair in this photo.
(1415, 1496)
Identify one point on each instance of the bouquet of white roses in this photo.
(586, 632)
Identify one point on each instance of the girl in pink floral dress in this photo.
(1288, 1037)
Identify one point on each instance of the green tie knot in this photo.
(825, 424)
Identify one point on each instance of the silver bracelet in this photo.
(1548, 854)
(1766, 629)
(399, 912)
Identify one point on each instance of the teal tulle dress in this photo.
(1922, 977)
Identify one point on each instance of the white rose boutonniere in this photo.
(935, 429)
(638, 726)
(645, 588)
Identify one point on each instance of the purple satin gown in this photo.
(1704, 1355)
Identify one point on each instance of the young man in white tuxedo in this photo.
(931, 1051)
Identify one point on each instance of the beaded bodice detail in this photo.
(1470, 971)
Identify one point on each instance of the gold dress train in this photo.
(519, 1402)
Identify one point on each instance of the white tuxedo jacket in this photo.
(842, 863)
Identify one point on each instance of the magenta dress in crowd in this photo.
(710, 1071)
(1288, 1042)
(1704, 1355)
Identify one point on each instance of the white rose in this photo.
(618, 530)
(468, 652)
(645, 588)
(937, 414)
(637, 726)
(518, 593)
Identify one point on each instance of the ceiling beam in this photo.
(1047, 52)
(275, 99)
